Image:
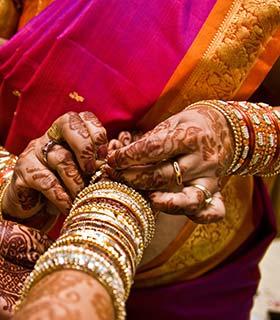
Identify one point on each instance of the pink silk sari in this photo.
(114, 58)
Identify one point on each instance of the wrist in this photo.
(256, 133)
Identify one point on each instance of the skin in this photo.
(200, 141)
(73, 295)
(37, 184)
(20, 247)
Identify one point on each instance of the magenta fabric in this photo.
(118, 55)
(225, 293)
(25, 58)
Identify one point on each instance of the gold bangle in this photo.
(134, 208)
(109, 231)
(109, 248)
(3, 189)
(75, 258)
(123, 189)
(137, 244)
(87, 211)
(124, 231)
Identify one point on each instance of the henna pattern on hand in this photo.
(76, 124)
(181, 139)
(89, 116)
(222, 132)
(12, 277)
(88, 155)
(70, 169)
(20, 247)
(100, 304)
(65, 295)
(28, 198)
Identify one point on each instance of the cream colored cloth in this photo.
(268, 296)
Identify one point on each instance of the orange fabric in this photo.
(32, 8)
(187, 65)
(261, 67)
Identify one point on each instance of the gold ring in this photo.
(206, 192)
(178, 173)
(54, 133)
(47, 148)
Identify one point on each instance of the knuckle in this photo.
(69, 113)
(63, 157)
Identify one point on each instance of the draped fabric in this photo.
(132, 60)
(118, 67)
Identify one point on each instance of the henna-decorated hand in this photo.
(53, 184)
(201, 142)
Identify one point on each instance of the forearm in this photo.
(67, 294)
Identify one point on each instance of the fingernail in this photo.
(102, 152)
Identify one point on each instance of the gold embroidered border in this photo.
(226, 62)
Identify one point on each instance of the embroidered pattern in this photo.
(75, 96)
(226, 63)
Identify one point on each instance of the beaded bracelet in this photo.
(103, 244)
(76, 258)
(109, 222)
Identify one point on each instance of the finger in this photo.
(165, 141)
(43, 180)
(114, 144)
(161, 176)
(125, 137)
(61, 160)
(178, 203)
(97, 133)
(21, 201)
(214, 212)
(77, 136)
(190, 201)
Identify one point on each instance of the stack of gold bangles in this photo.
(256, 132)
(7, 163)
(104, 235)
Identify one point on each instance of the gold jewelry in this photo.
(111, 232)
(76, 258)
(106, 246)
(178, 173)
(55, 133)
(148, 226)
(122, 227)
(3, 189)
(110, 224)
(256, 131)
(47, 148)
(206, 192)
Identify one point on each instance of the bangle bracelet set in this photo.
(104, 235)
(256, 132)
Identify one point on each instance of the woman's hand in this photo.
(200, 141)
(52, 178)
